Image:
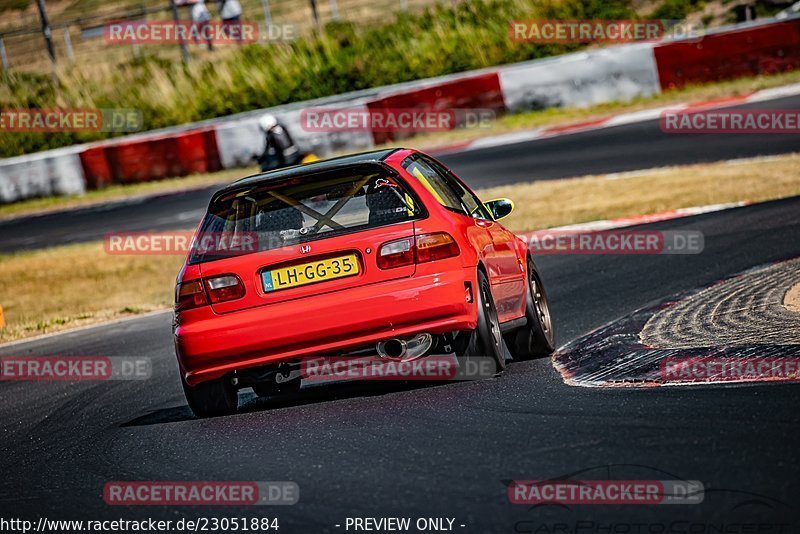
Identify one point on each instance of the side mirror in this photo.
(500, 207)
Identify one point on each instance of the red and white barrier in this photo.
(48, 173)
(476, 91)
(745, 50)
(145, 158)
(615, 120)
(580, 79)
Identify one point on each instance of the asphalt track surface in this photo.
(622, 148)
(416, 450)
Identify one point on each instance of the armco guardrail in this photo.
(584, 78)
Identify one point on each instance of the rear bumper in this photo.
(210, 346)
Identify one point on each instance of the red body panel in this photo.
(347, 314)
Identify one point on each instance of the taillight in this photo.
(431, 247)
(396, 253)
(422, 249)
(190, 295)
(224, 288)
(197, 293)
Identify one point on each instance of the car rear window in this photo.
(296, 210)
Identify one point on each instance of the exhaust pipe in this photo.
(393, 348)
(410, 349)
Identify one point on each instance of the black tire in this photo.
(537, 338)
(486, 339)
(207, 399)
(270, 389)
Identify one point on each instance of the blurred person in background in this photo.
(279, 148)
(200, 18)
(230, 11)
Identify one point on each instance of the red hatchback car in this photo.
(386, 251)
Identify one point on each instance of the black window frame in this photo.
(454, 183)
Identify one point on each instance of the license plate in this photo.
(309, 273)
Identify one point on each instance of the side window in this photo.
(466, 197)
(436, 183)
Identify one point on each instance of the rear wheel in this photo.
(536, 338)
(207, 399)
(486, 339)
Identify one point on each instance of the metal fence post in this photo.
(3, 55)
(181, 42)
(334, 10)
(48, 34)
(314, 12)
(267, 14)
(68, 43)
